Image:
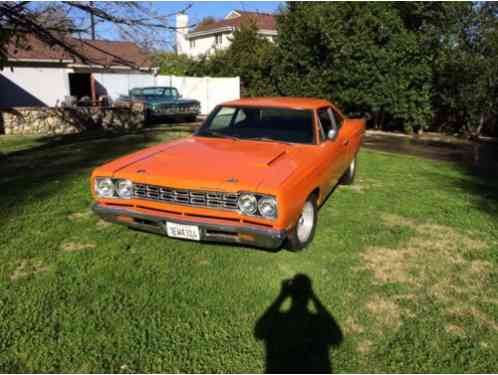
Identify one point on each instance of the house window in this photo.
(218, 39)
(192, 43)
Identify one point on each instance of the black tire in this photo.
(348, 176)
(191, 118)
(295, 242)
(148, 117)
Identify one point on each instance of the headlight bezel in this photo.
(268, 200)
(98, 187)
(118, 182)
(251, 197)
(259, 198)
(113, 184)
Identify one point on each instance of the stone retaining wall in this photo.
(60, 120)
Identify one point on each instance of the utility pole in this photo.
(92, 21)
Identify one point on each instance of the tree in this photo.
(466, 74)
(250, 56)
(18, 19)
(360, 55)
(170, 63)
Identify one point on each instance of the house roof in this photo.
(95, 52)
(263, 21)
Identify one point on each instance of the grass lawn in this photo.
(405, 262)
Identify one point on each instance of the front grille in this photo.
(196, 198)
(177, 108)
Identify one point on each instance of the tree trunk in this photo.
(475, 134)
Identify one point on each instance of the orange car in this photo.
(254, 173)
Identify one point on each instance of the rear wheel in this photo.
(348, 176)
(304, 231)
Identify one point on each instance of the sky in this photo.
(197, 11)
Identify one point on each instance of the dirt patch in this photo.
(474, 313)
(434, 252)
(101, 224)
(352, 327)
(355, 188)
(365, 346)
(27, 268)
(76, 216)
(453, 329)
(76, 246)
(385, 311)
(431, 263)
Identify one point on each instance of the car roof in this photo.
(281, 102)
(155, 87)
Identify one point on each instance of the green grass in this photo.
(405, 262)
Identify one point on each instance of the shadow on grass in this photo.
(32, 172)
(297, 340)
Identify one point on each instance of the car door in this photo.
(333, 148)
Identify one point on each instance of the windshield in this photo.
(260, 123)
(155, 91)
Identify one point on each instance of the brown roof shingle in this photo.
(262, 21)
(98, 52)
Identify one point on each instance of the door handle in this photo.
(346, 142)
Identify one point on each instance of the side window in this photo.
(135, 92)
(223, 118)
(240, 119)
(336, 118)
(327, 122)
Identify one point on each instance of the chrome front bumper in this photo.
(210, 230)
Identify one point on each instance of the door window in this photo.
(223, 118)
(327, 122)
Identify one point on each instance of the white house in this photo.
(207, 37)
(39, 75)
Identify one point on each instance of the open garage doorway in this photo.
(80, 87)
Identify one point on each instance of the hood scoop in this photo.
(272, 161)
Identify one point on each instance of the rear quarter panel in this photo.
(355, 129)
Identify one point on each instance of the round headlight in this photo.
(124, 189)
(104, 187)
(268, 207)
(248, 204)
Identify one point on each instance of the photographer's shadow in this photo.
(298, 340)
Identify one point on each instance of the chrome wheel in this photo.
(352, 167)
(305, 222)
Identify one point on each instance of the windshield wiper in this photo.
(266, 139)
(211, 133)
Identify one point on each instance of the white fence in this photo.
(209, 91)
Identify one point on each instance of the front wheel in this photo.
(304, 231)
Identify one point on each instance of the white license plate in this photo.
(189, 232)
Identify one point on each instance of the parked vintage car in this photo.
(164, 102)
(254, 173)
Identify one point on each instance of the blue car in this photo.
(164, 102)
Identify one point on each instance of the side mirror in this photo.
(179, 95)
(332, 133)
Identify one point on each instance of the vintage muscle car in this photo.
(254, 173)
(164, 102)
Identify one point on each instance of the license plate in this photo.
(189, 232)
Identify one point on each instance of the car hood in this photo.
(212, 164)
